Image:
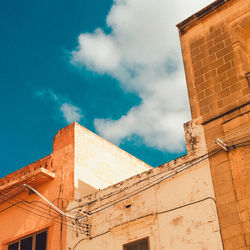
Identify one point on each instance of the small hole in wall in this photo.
(128, 206)
(248, 78)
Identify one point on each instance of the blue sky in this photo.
(114, 67)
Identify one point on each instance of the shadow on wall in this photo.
(84, 189)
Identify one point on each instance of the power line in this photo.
(26, 203)
(157, 174)
(20, 200)
(244, 143)
(159, 180)
(169, 171)
(155, 213)
(28, 211)
(76, 226)
(146, 187)
(151, 176)
(18, 203)
(133, 193)
(242, 131)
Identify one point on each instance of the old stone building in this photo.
(216, 52)
(104, 198)
(169, 207)
(201, 200)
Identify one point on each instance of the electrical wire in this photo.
(157, 174)
(27, 203)
(244, 143)
(55, 213)
(173, 170)
(153, 214)
(146, 187)
(18, 203)
(135, 192)
(159, 180)
(242, 131)
(23, 202)
(144, 179)
(39, 215)
(8, 195)
(32, 205)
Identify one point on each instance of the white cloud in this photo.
(97, 51)
(142, 52)
(68, 111)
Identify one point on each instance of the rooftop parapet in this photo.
(183, 26)
(34, 174)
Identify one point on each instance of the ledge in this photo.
(225, 113)
(14, 185)
(198, 15)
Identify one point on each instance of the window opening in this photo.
(142, 244)
(36, 241)
(26, 244)
(13, 246)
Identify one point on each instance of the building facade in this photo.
(216, 53)
(81, 164)
(102, 197)
(205, 203)
(172, 207)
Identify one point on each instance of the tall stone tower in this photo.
(215, 44)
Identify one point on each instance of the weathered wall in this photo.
(79, 157)
(31, 213)
(215, 52)
(156, 213)
(215, 47)
(172, 204)
(99, 163)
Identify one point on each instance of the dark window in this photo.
(26, 244)
(248, 78)
(36, 241)
(13, 246)
(41, 241)
(142, 244)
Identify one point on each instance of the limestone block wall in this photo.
(215, 48)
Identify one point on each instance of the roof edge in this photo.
(201, 13)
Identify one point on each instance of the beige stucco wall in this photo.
(99, 163)
(174, 207)
(194, 226)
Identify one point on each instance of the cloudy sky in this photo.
(113, 66)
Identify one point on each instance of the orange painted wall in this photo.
(16, 222)
(63, 163)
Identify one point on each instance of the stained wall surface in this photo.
(172, 205)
